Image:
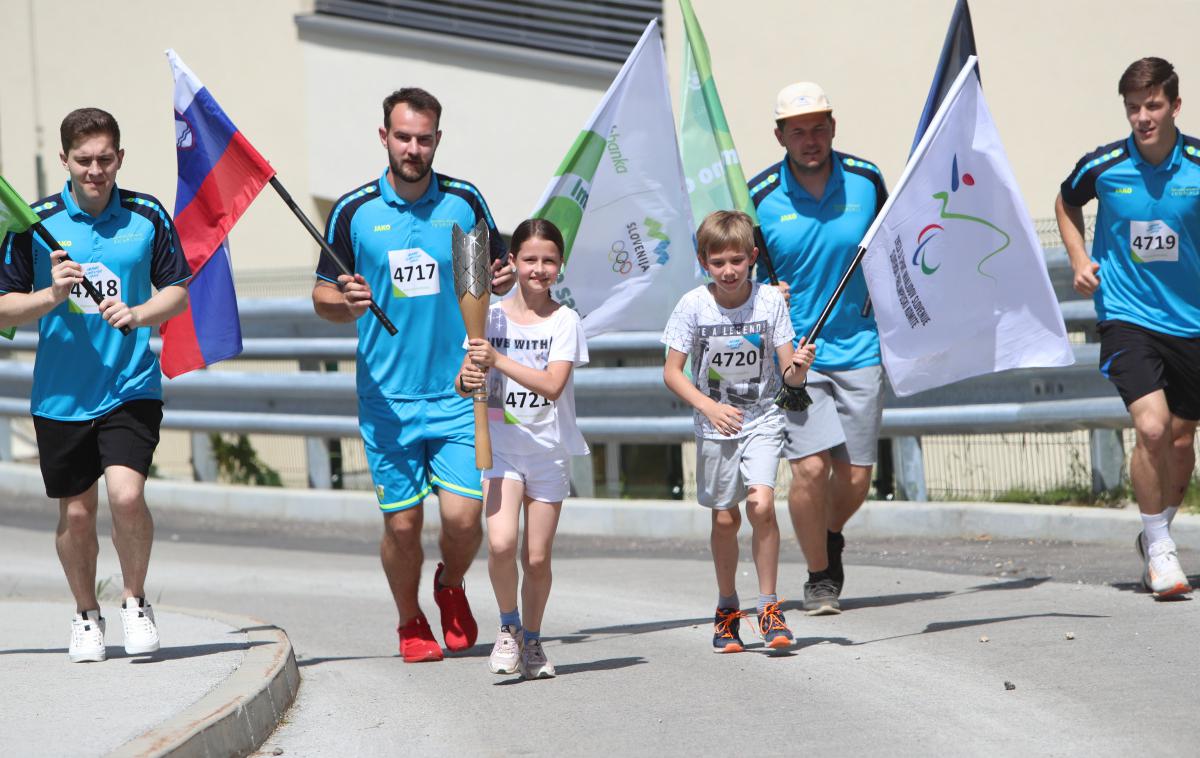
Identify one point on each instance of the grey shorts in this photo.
(727, 469)
(844, 417)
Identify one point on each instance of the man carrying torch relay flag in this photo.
(395, 234)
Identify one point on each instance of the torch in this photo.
(471, 261)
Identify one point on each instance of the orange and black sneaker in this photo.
(458, 625)
(417, 644)
(725, 631)
(773, 628)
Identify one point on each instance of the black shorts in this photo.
(1140, 361)
(75, 453)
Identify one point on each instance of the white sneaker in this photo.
(141, 633)
(506, 653)
(1164, 575)
(533, 661)
(87, 638)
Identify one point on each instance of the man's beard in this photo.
(409, 172)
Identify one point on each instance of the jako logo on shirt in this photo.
(934, 230)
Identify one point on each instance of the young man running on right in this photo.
(1144, 275)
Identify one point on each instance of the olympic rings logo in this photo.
(619, 257)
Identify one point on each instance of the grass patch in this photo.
(1068, 494)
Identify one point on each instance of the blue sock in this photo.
(511, 618)
(531, 635)
(764, 600)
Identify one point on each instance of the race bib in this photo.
(414, 273)
(736, 359)
(104, 280)
(523, 405)
(1152, 241)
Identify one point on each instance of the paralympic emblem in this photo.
(934, 230)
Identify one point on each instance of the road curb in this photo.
(661, 519)
(238, 715)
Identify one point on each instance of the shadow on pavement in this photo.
(567, 669)
(165, 654)
(189, 651)
(946, 626)
(336, 658)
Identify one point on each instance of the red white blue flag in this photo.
(220, 174)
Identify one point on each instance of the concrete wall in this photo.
(1049, 72)
(64, 54)
(308, 96)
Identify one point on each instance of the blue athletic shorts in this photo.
(416, 446)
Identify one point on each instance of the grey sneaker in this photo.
(533, 661)
(821, 598)
(506, 653)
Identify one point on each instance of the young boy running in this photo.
(735, 330)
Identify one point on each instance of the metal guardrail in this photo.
(627, 404)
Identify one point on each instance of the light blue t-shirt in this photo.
(812, 241)
(1146, 215)
(402, 249)
(84, 367)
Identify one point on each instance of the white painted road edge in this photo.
(663, 519)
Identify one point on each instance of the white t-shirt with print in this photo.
(732, 351)
(520, 420)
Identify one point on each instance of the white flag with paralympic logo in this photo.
(956, 274)
(620, 200)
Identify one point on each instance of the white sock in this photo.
(1171, 510)
(1156, 528)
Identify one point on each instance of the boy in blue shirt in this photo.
(1144, 275)
(97, 395)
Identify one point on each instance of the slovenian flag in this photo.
(220, 174)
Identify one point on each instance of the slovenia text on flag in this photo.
(953, 264)
(619, 198)
(220, 173)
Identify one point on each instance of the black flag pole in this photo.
(837, 293)
(325, 248)
(48, 239)
(764, 257)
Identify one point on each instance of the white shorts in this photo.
(727, 469)
(547, 478)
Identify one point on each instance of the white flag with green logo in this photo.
(953, 262)
(619, 199)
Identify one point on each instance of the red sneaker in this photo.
(417, 644)
(458, 625)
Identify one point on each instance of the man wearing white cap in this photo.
(815, 206)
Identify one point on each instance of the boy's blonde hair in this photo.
(724, 230)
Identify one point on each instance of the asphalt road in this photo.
(918, 664)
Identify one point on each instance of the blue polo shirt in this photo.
(402, 249)
(1145, 219)
(812, 241)
(84, 367)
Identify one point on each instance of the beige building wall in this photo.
(64, 54)
(1049, 72)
